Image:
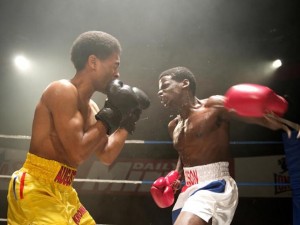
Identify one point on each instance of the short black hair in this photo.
(179, 74)
(96, 43)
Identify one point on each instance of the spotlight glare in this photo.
(276, 64)
(22, 63)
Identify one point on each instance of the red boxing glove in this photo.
(254, 100)
(162, 190)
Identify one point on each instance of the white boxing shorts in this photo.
(210, 193)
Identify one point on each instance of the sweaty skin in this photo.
(64, 127)
(194, 135)
(66, 131)
(200, 132)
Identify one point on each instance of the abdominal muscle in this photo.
(202, 139)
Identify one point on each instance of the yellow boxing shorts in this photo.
(41, 192)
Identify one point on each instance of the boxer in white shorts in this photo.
(200, 134)
(209, 193)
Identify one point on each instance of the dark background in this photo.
(224, 42)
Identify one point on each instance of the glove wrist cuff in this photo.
(110, 118)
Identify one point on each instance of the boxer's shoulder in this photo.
(214, 100)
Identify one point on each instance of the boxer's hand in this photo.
(130, 101)
(125, 97)
(122, 96)
(253, 100)
(142, 98)
(163, 189)
(123, 106)
(110, 116)
(130, 120)
(283, 124)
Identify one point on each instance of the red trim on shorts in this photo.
(22, 185)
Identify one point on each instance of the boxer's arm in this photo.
(94, 107)
(262, 121)
(162, 191)
(115, 142)
(113, 148)
(179, 168)
(218, 101)
(171, 126)
(77, 141)
(258, 104)
(274, 118)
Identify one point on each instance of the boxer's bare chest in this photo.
(88, 116)
(195, 128)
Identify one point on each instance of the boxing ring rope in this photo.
(25, 137)
(87, 180)
(149, 182)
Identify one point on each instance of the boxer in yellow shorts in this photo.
(68, 127)
(41, 192)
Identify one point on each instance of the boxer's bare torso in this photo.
(45, 137)
(201, 134)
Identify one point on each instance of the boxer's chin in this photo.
(165, 104)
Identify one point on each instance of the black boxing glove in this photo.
(121, 96)
(121, 99)
(142, 98)
(110, 116)
(129, 122)
(143, 103)
(123, 106)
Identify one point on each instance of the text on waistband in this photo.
(65, 176)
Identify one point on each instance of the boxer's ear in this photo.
(92, 60)
(185, 83)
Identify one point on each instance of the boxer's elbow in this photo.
(105, 158)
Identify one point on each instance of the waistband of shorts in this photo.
(213, 171)
(49, 170)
